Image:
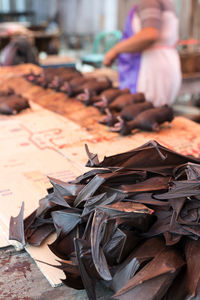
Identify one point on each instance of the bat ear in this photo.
(156, 127)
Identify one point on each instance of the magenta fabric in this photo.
(129, 63)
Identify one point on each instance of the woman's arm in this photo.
(137, 43)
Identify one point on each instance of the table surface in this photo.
(20, 278)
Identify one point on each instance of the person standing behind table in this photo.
(147, 59)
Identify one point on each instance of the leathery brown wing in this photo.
(132, 222)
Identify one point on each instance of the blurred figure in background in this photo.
(20, 50)
(147, 59)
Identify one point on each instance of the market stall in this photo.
(100, 181)
(48, 139)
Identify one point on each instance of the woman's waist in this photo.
(160, 48)
(162, 55)
(160, 45)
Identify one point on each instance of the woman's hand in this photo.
(135, 44)
(109, 57)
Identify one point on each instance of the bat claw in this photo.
(118, 126)
(103, 103)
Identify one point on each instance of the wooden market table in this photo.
(20, 277)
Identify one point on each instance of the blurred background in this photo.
(64, 25)
(79, 32)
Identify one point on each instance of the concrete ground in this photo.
(20, 279)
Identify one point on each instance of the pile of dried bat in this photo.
(11, 103)
(132, 222)
(125, 111)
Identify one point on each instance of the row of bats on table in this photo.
(12, 103)
(124, 111)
